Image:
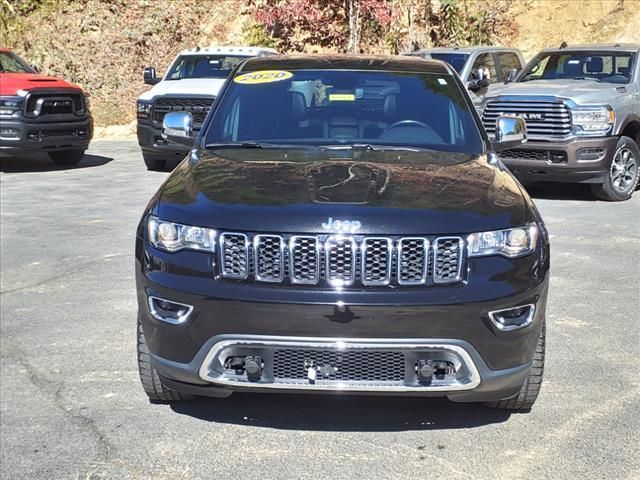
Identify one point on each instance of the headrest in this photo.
(298, 106)
(573, 66)
(389, 107)
(594, 65)
(626, 71)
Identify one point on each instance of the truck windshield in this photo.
(456, 60)
(611, 67)
(12, 63)
(346, 108)
(203, 66)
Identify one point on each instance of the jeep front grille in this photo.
(341, 260)
(197, 106)
(548, 120)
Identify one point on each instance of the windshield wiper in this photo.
(587, 78)
(235, 145)
(368, 146)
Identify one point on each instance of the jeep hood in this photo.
(12, 83)
(185, 86)
(387, 192)
(580, 91)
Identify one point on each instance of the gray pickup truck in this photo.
(479, 67)
(581, 105)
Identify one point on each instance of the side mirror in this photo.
(177, 127)
(510, 132)
(475, 85)
(513, 73)
(149, 76)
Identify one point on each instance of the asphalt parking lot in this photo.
(72, 406)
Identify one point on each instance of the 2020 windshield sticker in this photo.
(265, 76)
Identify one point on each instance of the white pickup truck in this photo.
(191, 84)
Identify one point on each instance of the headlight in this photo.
(512, 243)
(10, 105)
(172, 237)
(87, 103)
(592, 120)
(143, 109)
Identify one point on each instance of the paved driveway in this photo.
(72, 406)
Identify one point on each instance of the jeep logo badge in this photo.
(341, 226)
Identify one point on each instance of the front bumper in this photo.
(417, 322)
(29, 136)
(153, 145)
(560, 162)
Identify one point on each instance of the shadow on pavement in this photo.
(42, 163)
(560, 191)
(340, 413)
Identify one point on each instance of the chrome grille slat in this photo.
(341, 260)
(376, 261)
(268, 252)
(413, 261)
(555, 125)
(447, 267)
(304, 258)
(234, 255)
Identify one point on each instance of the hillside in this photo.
(104, 45)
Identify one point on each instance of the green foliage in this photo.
(255, 34)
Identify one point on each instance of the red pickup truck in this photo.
(41, 113)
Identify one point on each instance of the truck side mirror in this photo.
(513, 74)
(475, 85)
(177, 127)
(510, 132)
(149, 76)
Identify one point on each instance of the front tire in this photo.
(153, 163)
(531, 387)
(623, 173)
(151, 381)
(65, 158)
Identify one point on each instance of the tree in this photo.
(341, 25)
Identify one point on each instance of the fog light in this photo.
(168, 311)
(590, 154)
(513, 318)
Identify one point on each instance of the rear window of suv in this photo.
(612, 67)
(346, 107)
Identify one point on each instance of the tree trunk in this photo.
(354, 27)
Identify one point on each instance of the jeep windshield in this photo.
(611, 67)
(203, 66)
(12, 63)
(334, 109)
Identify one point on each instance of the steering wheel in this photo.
(403, 123)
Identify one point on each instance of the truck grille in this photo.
(53, 103)
(546, 120)
(346, 366)
(341, 260)
(198, 106)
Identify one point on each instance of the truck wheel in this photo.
(66, 157)
(531, 388)
(151, 381)
(153, 163)
(623, 174)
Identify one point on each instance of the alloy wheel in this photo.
(624, 170)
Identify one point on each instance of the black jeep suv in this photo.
(343, 224)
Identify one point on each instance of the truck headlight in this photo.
(143, 109)
(592, 120)
(511, 243)
(172, 237)
(10, 105)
